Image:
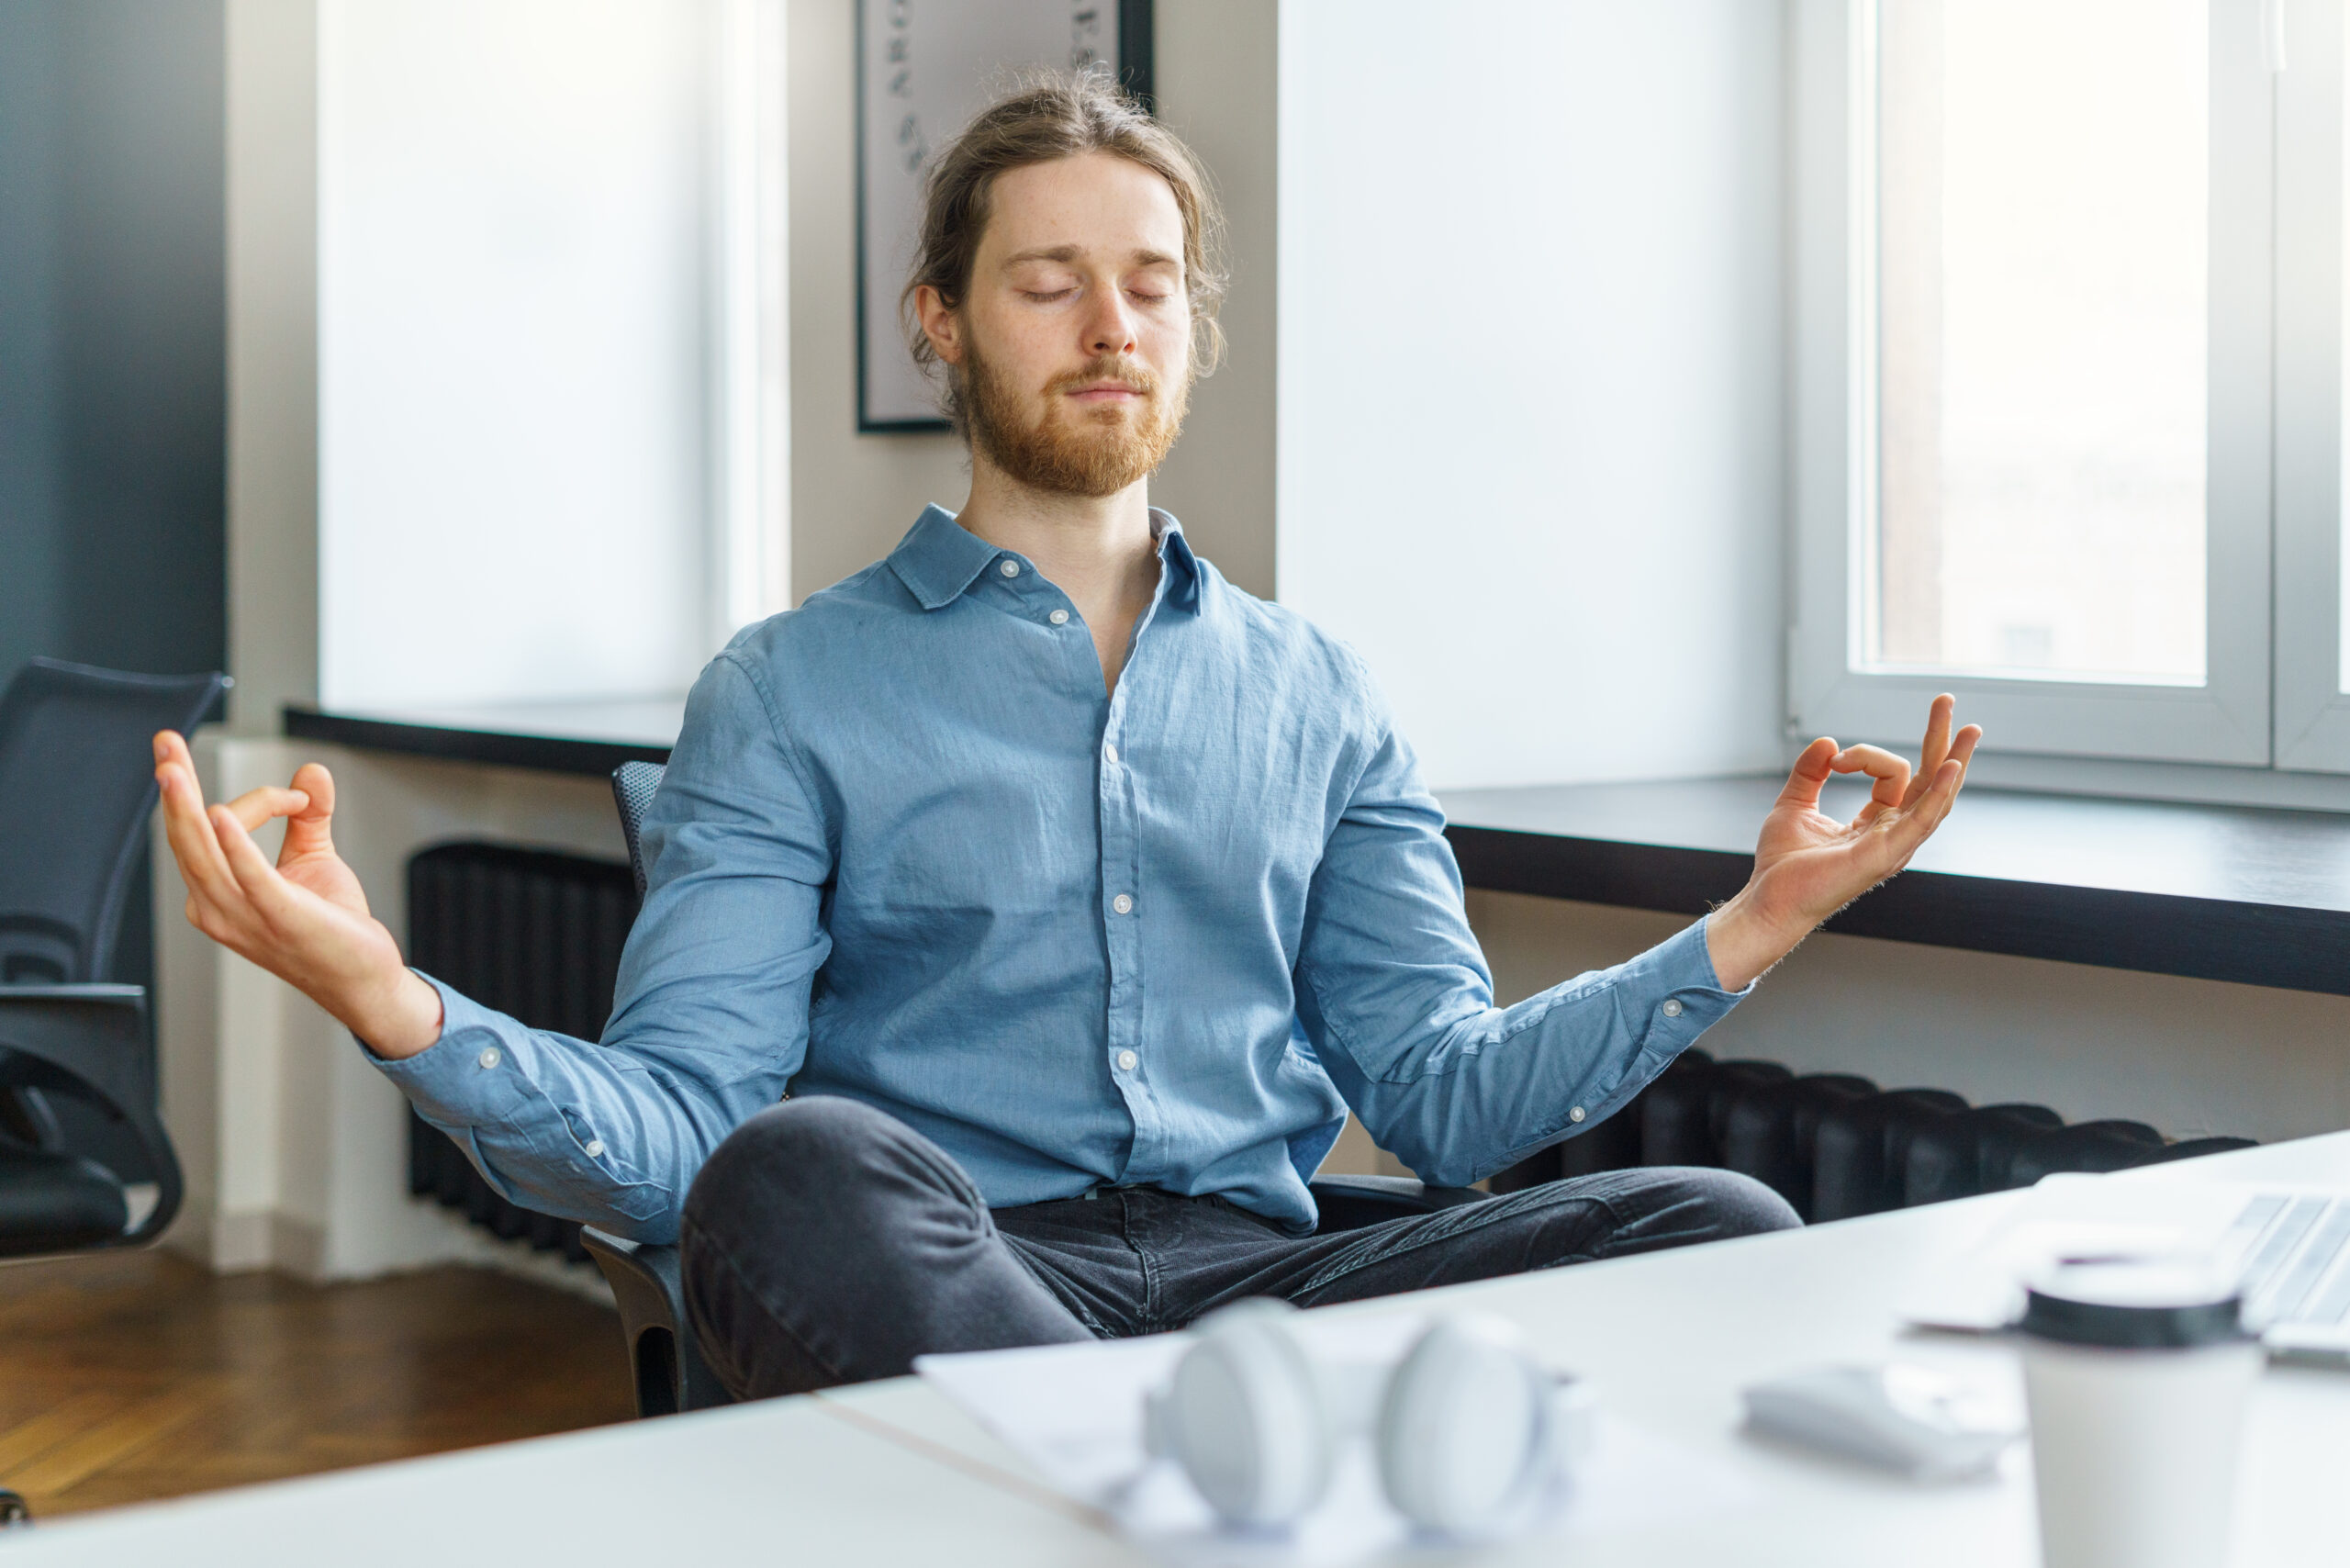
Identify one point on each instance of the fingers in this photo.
(265, 892)
(1911, 828)
(1936, 744)
(1810, 771)
(1891, 773)
(308, 831)
(202, 866)
(255, 807)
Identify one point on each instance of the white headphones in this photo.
(1467, 1429)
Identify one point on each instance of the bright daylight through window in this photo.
(2043, 195)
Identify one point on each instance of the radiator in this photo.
(533, 934)
(1836, 1146)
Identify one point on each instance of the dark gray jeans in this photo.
(826, 1242)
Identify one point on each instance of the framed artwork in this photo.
(923, 68)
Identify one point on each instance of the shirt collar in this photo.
(939, 558)
(1183, 588)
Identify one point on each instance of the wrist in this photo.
(1744, 939)
(400, 1018)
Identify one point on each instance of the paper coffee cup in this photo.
(2137, 1375)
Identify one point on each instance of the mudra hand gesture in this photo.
(1808, 865)
(305, 919)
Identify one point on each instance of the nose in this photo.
(1110, 326)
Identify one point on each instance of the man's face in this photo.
(1075, 344)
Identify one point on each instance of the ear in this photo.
(941, 325)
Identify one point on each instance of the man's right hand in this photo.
(304, 920)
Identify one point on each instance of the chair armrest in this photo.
(1350, 1202)
(665, 1359)
(90, 1042)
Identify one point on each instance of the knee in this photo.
(801, 1157)
(1725, 1204)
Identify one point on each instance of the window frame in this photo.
(2312, 714)
(2227, 719)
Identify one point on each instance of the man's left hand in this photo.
(1808, 865)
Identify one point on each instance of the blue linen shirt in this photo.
(910, 851)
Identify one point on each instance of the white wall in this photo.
(1531, 375)
(511, 405)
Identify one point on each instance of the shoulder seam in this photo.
(791, 759)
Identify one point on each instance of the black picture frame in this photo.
(1136, 74)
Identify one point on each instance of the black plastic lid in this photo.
(2134, 1306)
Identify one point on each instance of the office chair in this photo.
(667, 1364)
(84, 1163)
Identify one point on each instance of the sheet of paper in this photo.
(1075, 1411)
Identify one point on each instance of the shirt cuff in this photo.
(473, 1075)
(1685, 990)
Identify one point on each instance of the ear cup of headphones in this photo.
(1468, 1428)
(1243, 1415)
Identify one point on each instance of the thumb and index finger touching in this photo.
(1896, 784)
(201, 839)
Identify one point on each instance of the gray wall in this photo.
(111, 332)
(112, 403)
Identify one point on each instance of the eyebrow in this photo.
(1072, 253)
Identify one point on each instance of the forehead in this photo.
(1095, 202)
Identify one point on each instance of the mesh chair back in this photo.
(634, 784)
(77, 782)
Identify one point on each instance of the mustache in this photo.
(1131, 374)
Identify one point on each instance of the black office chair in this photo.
(665, 1362)
(81, 1144)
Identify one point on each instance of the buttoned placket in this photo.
(1124, 902)
(1123, 905)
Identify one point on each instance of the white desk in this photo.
(891, 1473)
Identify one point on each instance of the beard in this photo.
(1069, 450)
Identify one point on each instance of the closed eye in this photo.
(1048, 299)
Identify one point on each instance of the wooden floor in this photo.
(135, 1376)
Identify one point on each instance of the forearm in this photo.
(1458, 1102)
(610, 1135)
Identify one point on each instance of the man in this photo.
(1073, 894)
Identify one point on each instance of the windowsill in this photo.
(2256, 895)
(591, 737)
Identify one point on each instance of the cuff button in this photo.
(492, 1057)
(1672, 1007)
(1575, 1114)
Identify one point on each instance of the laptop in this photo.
(2287, 1247)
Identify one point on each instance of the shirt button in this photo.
(1110, 754)
(1126, 1060)
(1011, 568)
(489, 1058)
(1575, 1114)
(1672, 1007)
(595, 1148)
(1122, 904)
(1059, 617)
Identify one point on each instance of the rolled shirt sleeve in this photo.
(709, 1018)
(1397, 1002)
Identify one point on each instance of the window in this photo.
(2059, 407)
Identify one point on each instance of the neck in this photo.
(1096, 549)
(1083, 543)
